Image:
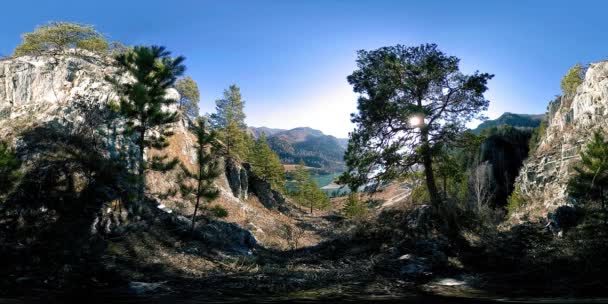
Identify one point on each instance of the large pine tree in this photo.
(144, 103)
(229, 119)
(229, 109)
(411, 101)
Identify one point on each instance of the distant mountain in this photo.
(513, 120)
(256, 132)
(312, 146)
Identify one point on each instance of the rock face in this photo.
(505, 151)
(58, 90)
(37, 89)
(237, 178)
(269, 197)
(571, 122)
(243, 181)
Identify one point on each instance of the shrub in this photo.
(218, 211)
(537, 135)
(354, 206)
(515, 200)
(572, 79)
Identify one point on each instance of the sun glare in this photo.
(415, 121)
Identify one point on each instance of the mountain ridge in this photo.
(512, 119)
(310, 145)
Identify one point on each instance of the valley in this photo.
(117, 186)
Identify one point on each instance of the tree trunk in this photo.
(427, 161)
(141, 170)
(198, 198)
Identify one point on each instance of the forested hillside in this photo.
(316, 149)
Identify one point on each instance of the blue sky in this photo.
(291, 58)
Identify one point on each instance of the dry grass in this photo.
(159, 249)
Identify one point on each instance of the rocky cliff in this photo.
(58, 92)
(571, 122)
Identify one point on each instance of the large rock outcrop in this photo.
(58, 93)
(37, 89)
(571, 122)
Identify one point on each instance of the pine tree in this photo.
(229, 119)
(142, 101)
(412, 100)
(189, 96)
(229, 109)
(306, 192)
(235, 140)
(266, 164)
(590, 184)
(207, 169)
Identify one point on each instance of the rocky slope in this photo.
(58, 90)
(571, 122)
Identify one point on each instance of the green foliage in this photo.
(9, 167)
(57, 36)
(537, 135)
(590, 183)
(235, 140)
(300, 176)
(189, 96)
(266, 164)
(229, 109)
(420, 193)
(142, 101)
(572, 79)
(229, 119)
(504, 147)
(306, 192)
(395, 85)
(515, 201)
(448, 170)
(354, 207)
(207, 169)
(218, 211)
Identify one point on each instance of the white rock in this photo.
(571, 123)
